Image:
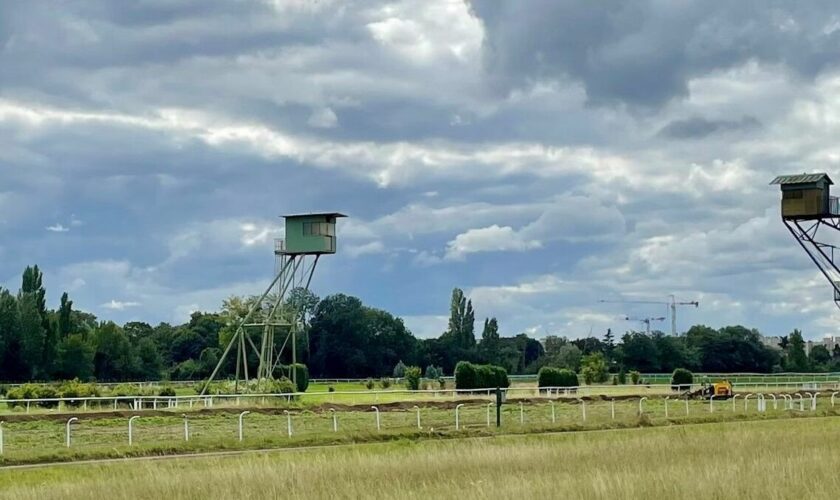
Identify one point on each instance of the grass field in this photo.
(747, 460)
(41, 438)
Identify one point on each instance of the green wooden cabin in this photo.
(806, 196)
(309, 234)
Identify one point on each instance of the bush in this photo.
(3, 390)
(302, 373)
(385, 382)
(369, 384)
(167, 392)
(615, 380)
(412, 378)
(622, 376)
(47, 392)
(282, 386)
(76, 389)
(399, 370)
(594, 368)
(433, 372)
(635, 377)
(330, 389)
(557, 377)
(442, 383)
(470, 376)
(681, 379)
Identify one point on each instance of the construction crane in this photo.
(646, 321)
(672, 304)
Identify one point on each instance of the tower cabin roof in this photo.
(315, 214)
(801, 179)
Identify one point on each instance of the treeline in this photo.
(343, 338)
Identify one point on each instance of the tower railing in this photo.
(279, 245)
(834, 205)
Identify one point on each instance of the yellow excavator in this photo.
(718, 390)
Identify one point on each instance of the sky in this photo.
(542, 155)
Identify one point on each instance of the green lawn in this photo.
(781, 459)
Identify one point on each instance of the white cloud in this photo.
(58, 228)
(488, 239)
(322, 118)
(370, 248)
(117, 305)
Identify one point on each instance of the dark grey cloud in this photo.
(697, 127)
(644, 52)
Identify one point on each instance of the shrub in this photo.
(3, 390)
(385, 382)
(76, 389)
(615, 380)
(302, 373)
(167, 392)
(594, 368)
(330, 389)
(369, 384)
(282, 386)
(470, 376)
(635, 377)
(557, 377)
(442, 383)
(46, 392)
(399, 370)
(433, 372)
(622, 376)
(412, 378)
(681, 379)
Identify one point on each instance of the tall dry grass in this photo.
(761, 460)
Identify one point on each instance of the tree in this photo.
(65, 312)
(75, 358)
(114, 358)
(399, 370)
(609, 343)
(461, 331)
(835, 353)
(594, 368)
(639, 352)
(568, 356)
(151, 364)
(819, 357)
(797, 361)
(11, 367)
(489, 345)
(32, 336)
(412, 378)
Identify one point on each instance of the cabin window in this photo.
(318, 229)
(795, 194)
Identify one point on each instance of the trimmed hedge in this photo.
(471, 376)
(302, 375)
(556, 377)
(681, 379)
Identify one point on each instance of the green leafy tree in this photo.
(399, 370)
(32, 336)
(75, 358)
(151, 364)
(11, 367)
(594, 368)
(796, 361)
(114, 358)
(461, 332)
(819, 357)
(412, 378)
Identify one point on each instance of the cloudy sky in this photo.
(541, 155)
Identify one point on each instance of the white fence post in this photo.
(1, 437)
(334, 419)
(241, 416)
(712, 403)
(186, 427)
(417, 408)
(774, 400)
(131, 428)
(378, 423)
(457, 421)
(667, 398)
(553, 415)
(733, 402)
(583, 409)
(67, 430)
(521, 414)
(833, 394)
(746, 401)
(288, 423)
(814, 401)
(641, 409)
(612, 408)
(801, 402)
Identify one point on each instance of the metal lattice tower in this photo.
(308, 237)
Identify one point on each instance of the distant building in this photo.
(829, 341)
(771, 342)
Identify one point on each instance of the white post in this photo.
(417, 408)
(774, 400)
(490, 405)
(832, 398)
(1, 437)
(733, 402)
(67, 430)
(583, 409)
(288, 423)
(642, 400)
(746, 401)
(521, 414)
(553, 416)
(712, 403)
(667, 398)
(801, 402)
(457, 421)
(378, 423)
(186, 427)
(131, 428)
(334, 419)
(814, 401)
(241, 416)
(612, 408)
